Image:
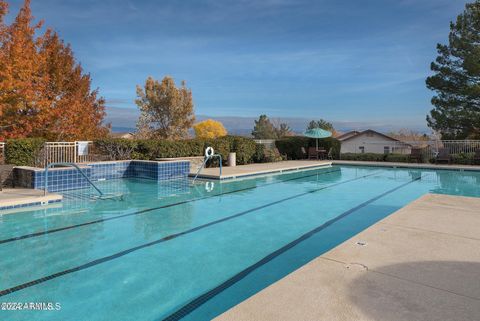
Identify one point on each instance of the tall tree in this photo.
(322, 123)
(456, 79)
(408, 135)
(283, 130)
(166, 111)
(3, 12)
(264, 129)
(74, 110)
(44, 92)
(21, 80)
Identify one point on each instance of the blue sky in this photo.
(343, 60)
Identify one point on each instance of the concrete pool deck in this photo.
(420, 263)
(410, 165)
(260, 169)
(13, 199)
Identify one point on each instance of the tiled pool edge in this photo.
(29, 204)
(254, 173)
(25, 199)
(68, 178)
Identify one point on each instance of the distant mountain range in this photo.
(124, 120)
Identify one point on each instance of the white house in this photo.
(370, 141)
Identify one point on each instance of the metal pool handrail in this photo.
(45, 188)
(205, 163)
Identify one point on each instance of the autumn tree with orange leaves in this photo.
(43, 89)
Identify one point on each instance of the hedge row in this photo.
(461, 158)
(117, 148)
(397, 158)
(464, 159)
(24, 151)
(292, 146)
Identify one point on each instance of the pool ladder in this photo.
(207, 158)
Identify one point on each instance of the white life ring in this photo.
(209, 186)
(209, 152)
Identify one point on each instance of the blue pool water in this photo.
(174, 251)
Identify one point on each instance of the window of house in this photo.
(362, 149)
(386, 150)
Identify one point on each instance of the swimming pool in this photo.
(174, 251)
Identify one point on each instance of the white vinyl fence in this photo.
(268, 143)
(429, 149)
(67, 152)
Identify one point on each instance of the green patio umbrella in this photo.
(317, 133)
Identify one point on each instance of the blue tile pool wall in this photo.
(110, 170)
(62, 179)
(140, 169)
(69, 178)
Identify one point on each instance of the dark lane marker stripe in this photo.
(26, 236)
(164, 239)
(200, 300)
(196, 303)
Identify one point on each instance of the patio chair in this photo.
(443, 156)
(476, 157)
(5, 175)
(416, 155)
(312, 153)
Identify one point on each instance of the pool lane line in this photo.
(26, 236)
(164, 239)
(202, 299)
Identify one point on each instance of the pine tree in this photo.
(457, 79)
(264, 129)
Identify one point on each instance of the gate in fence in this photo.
(67, 152)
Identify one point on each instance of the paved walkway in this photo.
(420, 263)
(14, 197)
(259, 169)
(410, 165)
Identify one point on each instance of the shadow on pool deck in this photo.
(433, 290)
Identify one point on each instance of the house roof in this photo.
(354, 134)
(347, 135)
(121, 135)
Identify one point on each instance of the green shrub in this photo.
(151, 149)
(272, 155)
(222, 146)
(245, 148)
(24, 151)
(463, 158)
(259, 156)
(292, 146)
(116, 148)
(397, 158)
(363, 157)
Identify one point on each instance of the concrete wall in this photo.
(373, 143)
